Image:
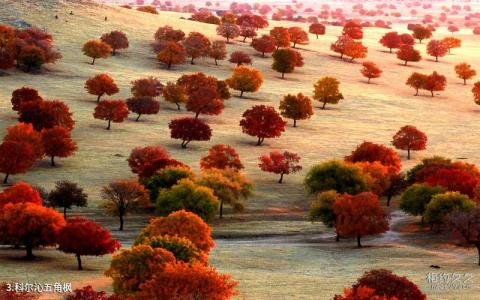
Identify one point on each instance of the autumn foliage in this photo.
(189, 129)
(298, 36)
(143, 105)
(371, 152)
(112, 111)
(96, 49)
(464, 71)
(280, 37)
(101, 85)
(116, 39)
(228, 31)
(296, 107)
(317, 29)
(30, 225)
(24, 96)
(20, 192)
(81, 237)
(57, 142)
(16, 158)
(245, 79)
(262, 122)
(437, 48)
(370, 70)
(410, 138)
(196, 45)
(175, 93)
(221, 157)
(47, 114)
(280, 163)
(353, 29)
(407, 53)
(203, 94)
(286, 60)
(360, 215)
(147, 87)
(172, 53)
(183, 224)
(240, 58)
(435, 82)
(327, 90)
(264, 44)
(188, 281)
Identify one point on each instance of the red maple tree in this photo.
(410, 138)
(280, 163)
(24, 133)
(317, 29)
(46, 114)
(359, 215)
(143, 105)
(100, 85)
(116, 39)
(262, 122)
(112, 111)
(298, 36)
(391, 40)
(280, 37)
(15, 158)
(82, 236)
(57, 142)
(435, 82)
(30, 225)
(408, 53)
(263, 44)
(221, 157)
(353, 29)
(188, 281)
(371, 152)
(370, 70)
(20, 192)
(196, 45)
(203, 95)
(437, 48)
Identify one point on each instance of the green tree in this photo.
(189, 196)
(165, 179)
(443, 204)
(415, 199)
(327, 91)
(336, 175)
(321, 209)
(182, 248)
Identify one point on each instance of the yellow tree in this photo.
(327, 90)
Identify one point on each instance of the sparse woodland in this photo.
(211, 127)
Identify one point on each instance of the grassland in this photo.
(271, 249)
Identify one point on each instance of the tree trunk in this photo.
(241, 94)
(216, 63)
(120, 216)
(263, 54)
(368, 80)
(178, 106)
(65, 213)
(221, 209)
(406, 62)
(169, 65)
(93, 61)
(283, 75)
(341, 55)
(138, 117)
(324, 104)
(79, 261)
(390, 50)
(244, 39)
(109, 124)
(52, 161)
(281, 178)
(114, 51)
(317, 36)
(294, 44)
(436, 58)
(464, 81)
(228, 40)
(389, 198)
(408, 153)
(5, 180)
(98, 98)
(337, 238)
(359, 244)
(196, 115)
(478, 250)
(294, 123)
(260, 141)
(432, 93)
(29, 248)
(191, 62)
(416, 93)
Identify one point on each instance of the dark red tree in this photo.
(112, 111)
(57, 142)
(189, 129)
(280, 163)
(143, 105)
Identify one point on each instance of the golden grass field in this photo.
(272, 249)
